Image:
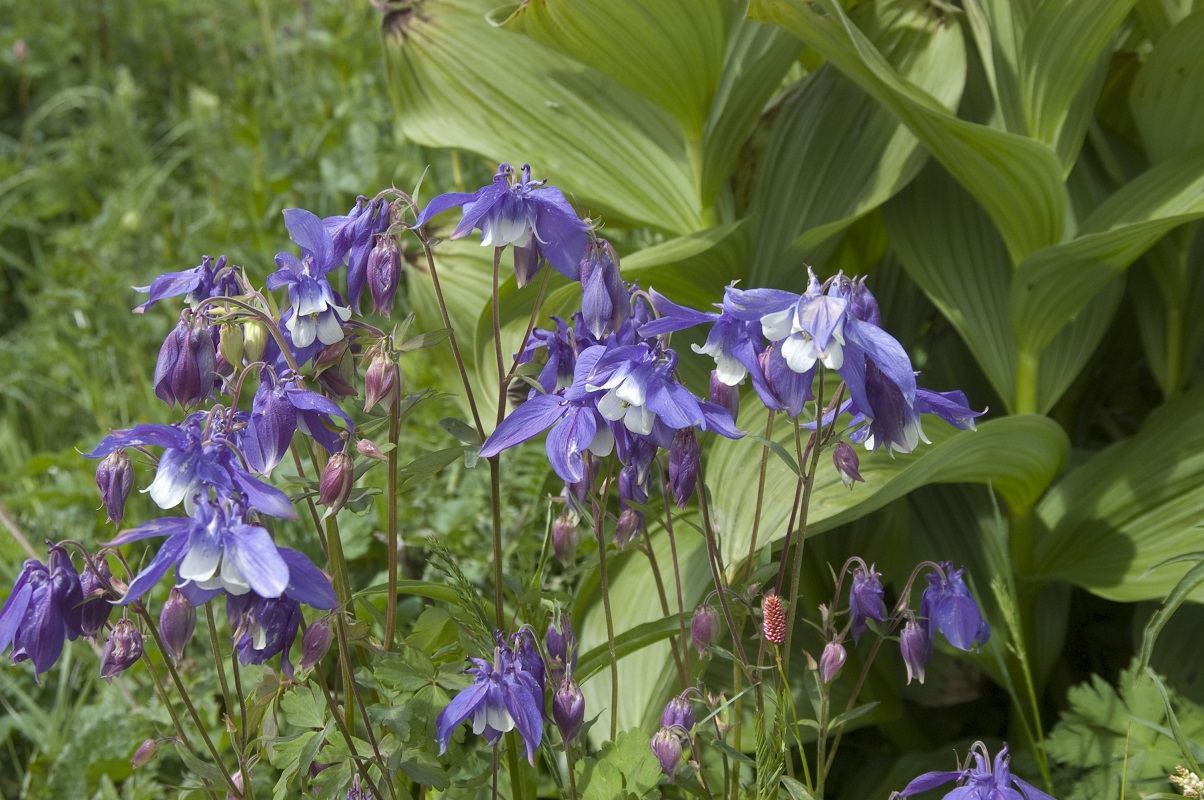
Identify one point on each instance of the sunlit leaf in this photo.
(1167, 97)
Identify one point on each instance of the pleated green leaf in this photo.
(1019, 456)
(1017, 181)
(670, 52)
(456, 81)
(1062, 45)
(693, 269)
(834, 152)
(1075, 344)
(1167, 97)
(1055, 283)
(1114, 519)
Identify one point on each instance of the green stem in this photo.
(610, 625)
(161, 690)
(821, 740)
(391, 522)
(451, 338)
(1174, 352)
(240, 752)
(1027, 371)
(756, 525)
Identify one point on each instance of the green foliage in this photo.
(624, 768)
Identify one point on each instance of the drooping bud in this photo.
(683, 465)
(315, 643)
(678, 713)
(335, 486)
(724, 396)
(177, 621)
(865, 600)
(627, 527)
(914, 645)
(236, 779)
(187, 364)
(561, 642)
(384, 272)
(568, 709)
(832, 660)
(773, 626)
(95, 610)
(229, 343)
(115, 478)
(369, 448)
(667, 749)
(123, 648)
(565, 537)
(145, 752)
(605, 304)
(254, 340)
(844, 457)
(381, 382)
(704, 627)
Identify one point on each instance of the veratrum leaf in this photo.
(834, 152)
(1054, 283)
(1019, 456)
(456, 81)
(1017, 181)
(1167, 97)
(1129, 508)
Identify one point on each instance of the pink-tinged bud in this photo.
(704, 627)
(115, 478)
(667, 749)
(236, 779)
(254, 340)
(177, 621)
(561, 643)
(123, 648)
(145, 752)
(381, 382)
(724, 396)
(683, 465)
(337, 480)
(94, 611)
(678, 713)
(20, 51)
(369, 448)
(914, 645)
(565, 537)
(384, 273)
(773, 626)
(568, 709)
(627, 527)
(832, 660)
(844, 457)
(315, 643)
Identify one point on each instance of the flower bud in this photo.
(177, 621)
(315, 643)
(667, 749)
(724, 396)
(187, 364)
(384, 272)
(236, 779)
(678, 713)
(773, 626)
(683, 465)
(704, 627)
(115, 478)
(123, 648)
(381, 382)
(568, 709)
(865, 600)
(254, 340)
(561, 643)
(335, 486)
(369, 448)
(832, 660)
(229, 343)
(565, 537)
(145, 752)
(627, 527)
(844, 457)
(914, 645)
(94, 611)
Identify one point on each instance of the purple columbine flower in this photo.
(42, 611)
(865, 600)
(187, 364)
(95, 610)
(733, 341)
(844, 458)
(115, 478)
(209, 279)
(666, 746)
(704, 627)
(684, 458)
(561, 643)
(504, 696)
(980, 781)
(679, 714)
(317, 313)
(947, 606)
(315, 643)
(354, 237)
(605, 302)
(264, 627)
(122, 650)
(832, 661)
(177, 621)
(384, 273)
(568, 709)
(518, 211)
(916, 649)
(279, 410)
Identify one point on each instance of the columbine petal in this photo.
(308, 232)
(457, 711)
(568, 440)
(250, 550)
(306, 583)
(526, 422)
(169, 553)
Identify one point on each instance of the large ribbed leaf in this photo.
(1159, 16)
(1055, 283)
(1018, 181)
(1168, 93)
(834, 152)
(1062, 45)
(458, 82)
(670, 51)
(997, 27)
(1019, 456)
(1129, 508)
(1074, 345)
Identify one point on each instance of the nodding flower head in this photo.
(978, 779)
(948, 607)
(43, 609)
